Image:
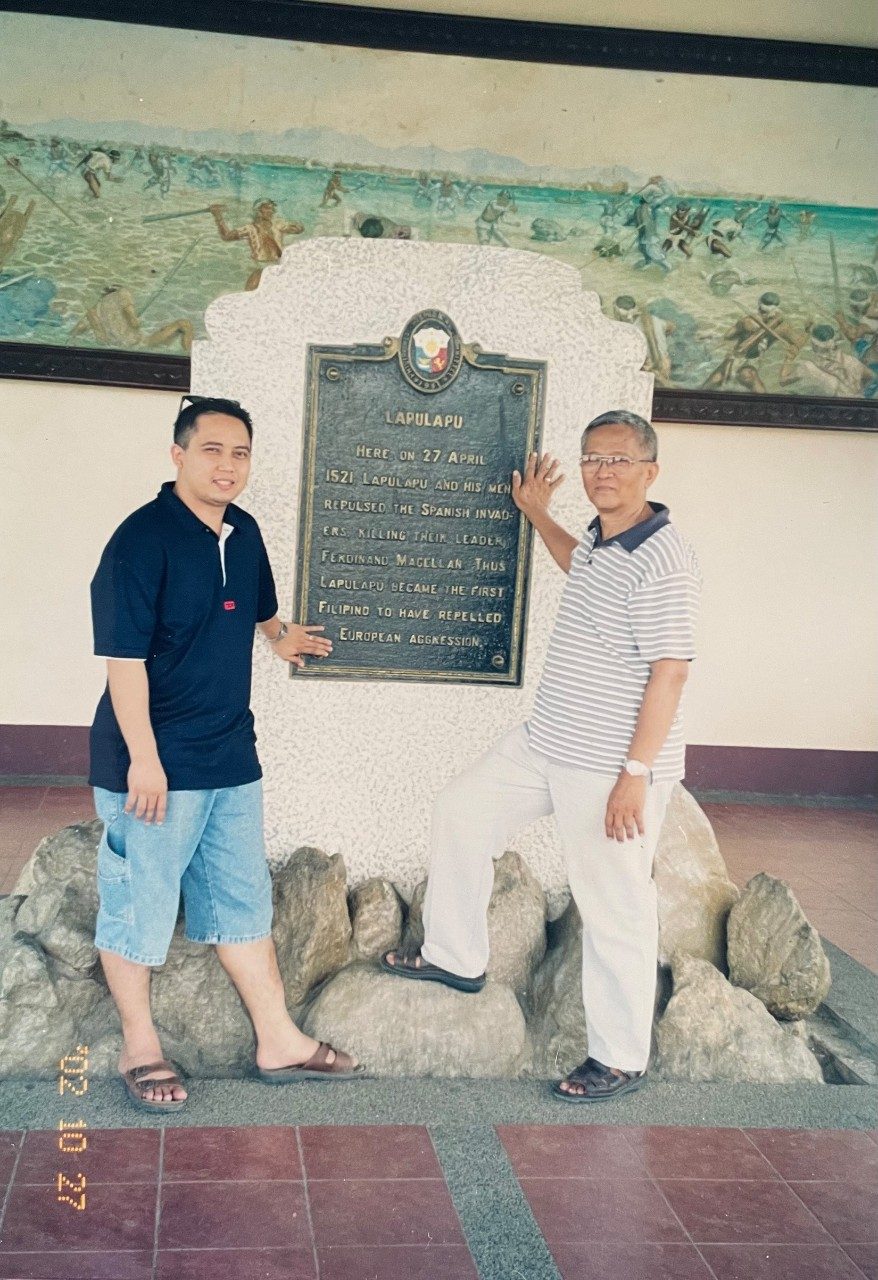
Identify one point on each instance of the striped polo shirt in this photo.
(628, 601)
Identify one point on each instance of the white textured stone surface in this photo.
(352, 766)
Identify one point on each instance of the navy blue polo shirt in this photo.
(159, 595)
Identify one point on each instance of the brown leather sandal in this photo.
(406, 966)
(599, 1082)
(318, 1067)
(139, 1079)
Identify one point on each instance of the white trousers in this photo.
(473, 819)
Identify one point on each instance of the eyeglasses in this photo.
(618, 463)
(193, 400)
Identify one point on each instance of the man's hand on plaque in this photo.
(533, 491)
(302, 640)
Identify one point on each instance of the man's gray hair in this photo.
(646, 437)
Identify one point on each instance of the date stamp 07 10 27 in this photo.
(73, 1078)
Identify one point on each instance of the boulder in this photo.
(712, 1030)
(693, 885)
(516, 923)
(35, 1031)
(312, 928)
(70, 857)
(402, 1028)
(774, 952)
(201, 1021)
(376, 918)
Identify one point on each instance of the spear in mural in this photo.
(183, 213)
(6, 284)
(836, 283)
(168, 278)
(15, 163)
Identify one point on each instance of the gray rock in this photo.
(774, 952)
(402, 1028)
(62, 920)
(201, 1021)
(312, 928)
(376, 918)
(693, 885)
(35, 1030)
(712, 1030)
(516, 923)
(69, 857)
(557, 1024)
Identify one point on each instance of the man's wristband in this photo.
(280, 635)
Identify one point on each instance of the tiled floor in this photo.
(261, 1203)
(371, 1203)
(629, 1203)
(829, 856)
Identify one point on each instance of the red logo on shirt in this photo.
(228, 605)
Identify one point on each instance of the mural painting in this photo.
(748, 259)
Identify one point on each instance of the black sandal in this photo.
(599, 1082)
(406, 967)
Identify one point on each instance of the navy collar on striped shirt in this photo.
(634, 537)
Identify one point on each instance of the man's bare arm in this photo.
(298, 640)
(532, 494)
(147, 783)
(624, 817)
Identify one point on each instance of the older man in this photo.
(602, 751)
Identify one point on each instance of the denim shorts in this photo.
(210, 847)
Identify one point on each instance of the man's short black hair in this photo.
(192, 407)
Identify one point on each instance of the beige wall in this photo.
(784, 523)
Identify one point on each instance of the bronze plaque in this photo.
(411, 551)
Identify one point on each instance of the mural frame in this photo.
(479, 37)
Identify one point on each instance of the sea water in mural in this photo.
(118, 240)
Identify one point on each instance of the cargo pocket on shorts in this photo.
(114, 880)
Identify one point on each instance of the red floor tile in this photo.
(814, 1155)
(779, 1262)
(401, 1262)
(114, 1218)
(575, 1151)
(866, 1258)
(67, 1265)
(405, 1211)
(668, 1152)
(848, 1210)
(236, 1264)
(621, 1261)
(111, 1156)
(260, 1153)
(10, 1144)
(369, 1151)
(742, 1212)
(579, 1209)
(233, 1215)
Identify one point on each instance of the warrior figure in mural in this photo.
(333, 190)
(160, 164)
(264, 235)
(115, 324)
(12, 223)
(654, 329)
(750, 338)
(824, 369)
(807, 218)
(773, 218)
(683, 228)
(59, 161)
(99, 161)
(648, 242)
(488, 222)
(447, 201)
(860, 326)
(721, 234)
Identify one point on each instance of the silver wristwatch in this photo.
(638, 769)
(280, 635)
